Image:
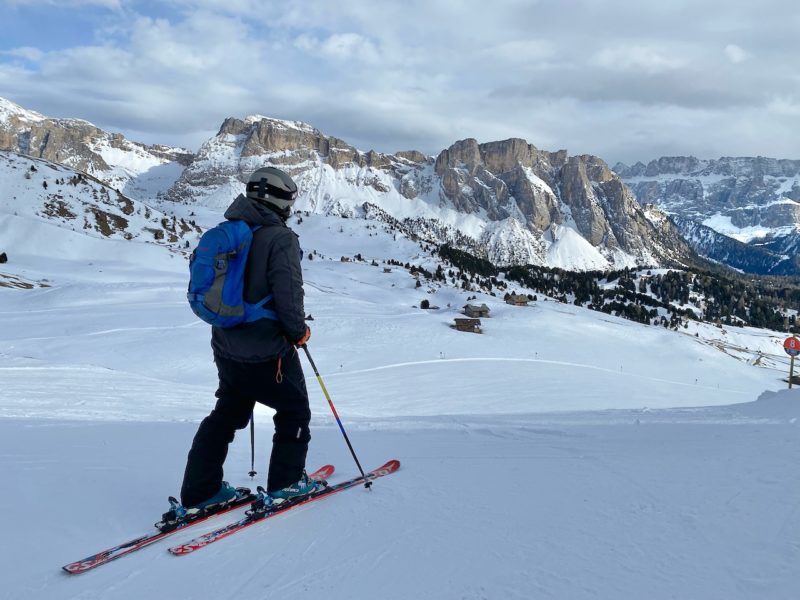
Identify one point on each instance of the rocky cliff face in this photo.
(224, 163)
(752, 200)
(122, 164)
(548, 191)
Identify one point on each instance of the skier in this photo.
(258, 361)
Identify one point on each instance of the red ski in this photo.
(254, 516)
(105, 556)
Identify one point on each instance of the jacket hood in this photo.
(249, 210)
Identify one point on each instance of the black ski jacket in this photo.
(273, 267)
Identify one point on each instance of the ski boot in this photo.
(266, 501)
(304, 487)
(178, 513)
(226, 494)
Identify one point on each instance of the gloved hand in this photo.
(306, 336)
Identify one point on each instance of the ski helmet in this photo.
(274, 188)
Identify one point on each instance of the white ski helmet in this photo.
(273, 187)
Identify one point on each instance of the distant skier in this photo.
(258, 361)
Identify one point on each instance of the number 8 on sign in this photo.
(792, 346)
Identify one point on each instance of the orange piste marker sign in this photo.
(791, 346)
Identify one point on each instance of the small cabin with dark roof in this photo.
(469, 325)
(475, 311)
(517, 300)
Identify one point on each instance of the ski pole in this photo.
(252, 472)
(367, 484)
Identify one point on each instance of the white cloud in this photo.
(785, 106)
(306, 42)
(521, 52)
(340, 47)
(636, 58)
(25, 52)
(736, 54)
(165, 78)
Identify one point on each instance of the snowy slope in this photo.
(46, 193)
(562, 453)
(660, 509)
(570, 250)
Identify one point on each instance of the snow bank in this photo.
(783, 405)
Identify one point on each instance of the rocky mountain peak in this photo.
(506, 155)
(414, 156)
(236, 126)
(81, 145)
(225, 162)
(497, 157)
(462, 154)
(547, 191)
(9, 110)
(727, 166)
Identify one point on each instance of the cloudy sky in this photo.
(626, 80)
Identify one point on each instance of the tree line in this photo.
(668, 298)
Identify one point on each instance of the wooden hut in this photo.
(475, 311)
(517, 300)
(469, 325)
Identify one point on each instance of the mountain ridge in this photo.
(517, 203)
(505, 200)
(751, 204)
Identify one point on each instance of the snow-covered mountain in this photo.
(755, 201)
(137, 170)
(507, 201)
(37, 195)
(775, 258)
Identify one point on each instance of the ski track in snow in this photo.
(532, 360)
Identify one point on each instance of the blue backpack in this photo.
(216, 277)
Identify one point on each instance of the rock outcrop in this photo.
(545, 190)
(755, 201)
(225, 162)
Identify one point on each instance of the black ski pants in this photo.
(279, 384)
